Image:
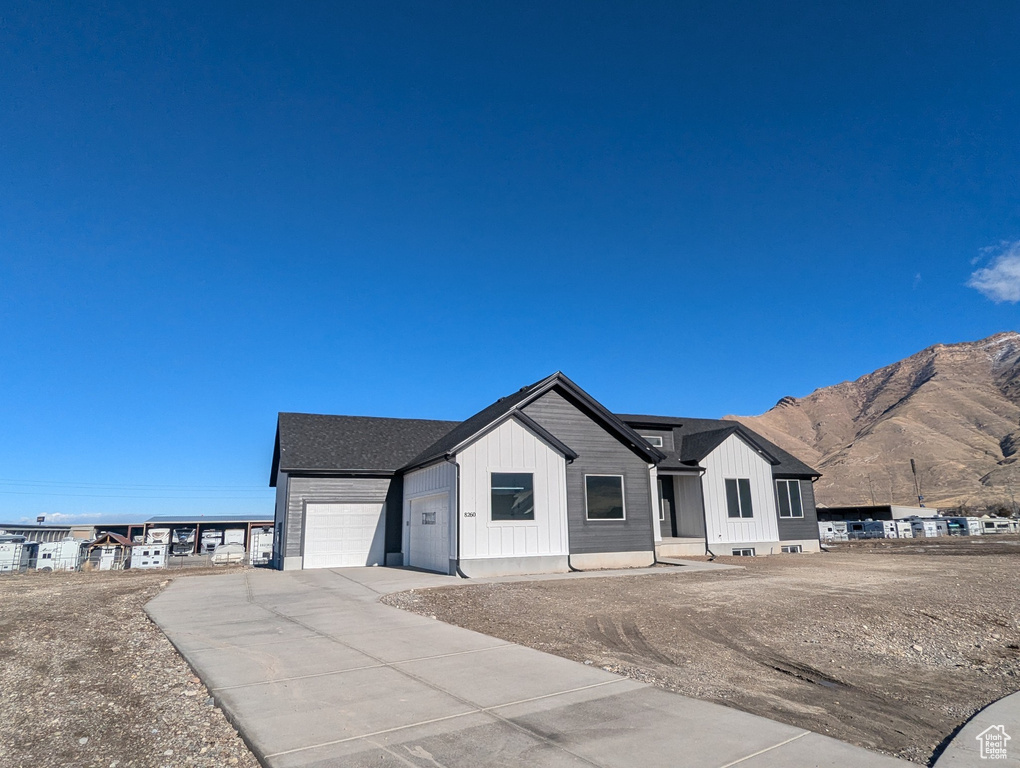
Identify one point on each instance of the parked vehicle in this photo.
(904, 530)
(157, 536)
(211, 540)
(925, 529)
(17, 553)
(183, 541)
(234, 536)
(149, 555)
(227, 554)
(63, 555)
(261, 545)
(834, 530)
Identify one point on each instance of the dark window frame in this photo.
(739, 498)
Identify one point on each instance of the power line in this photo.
(119, 496)
(125, 486)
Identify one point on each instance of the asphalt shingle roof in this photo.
(694, 439)
(314, 442)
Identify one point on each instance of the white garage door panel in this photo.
(342, 535)
(429, 547)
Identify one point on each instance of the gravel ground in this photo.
(87, 680)
(887, 645)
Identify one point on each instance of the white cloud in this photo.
(1000, 280)
(59, 518)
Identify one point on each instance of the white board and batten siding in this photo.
(511, 447)
(734, 458)
(429, 498)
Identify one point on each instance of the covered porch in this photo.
(681, 513)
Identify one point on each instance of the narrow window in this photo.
(655, 440)
(603, 497)
(513, 496)
(738, 497)
(792, 549)
(790, 503)
(744, 552)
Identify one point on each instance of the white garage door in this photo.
(340, 535)
(429, 545)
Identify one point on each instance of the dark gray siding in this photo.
(343, 489)
(666, 435)
(791, 528)
(599, 452)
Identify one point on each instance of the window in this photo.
(655, 440)
(745, 552)
(738, 497)
(790, 504)
(513, 496)
(603, 497)
(792, 549)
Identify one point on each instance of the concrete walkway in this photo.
(965, 748)
(314, 671)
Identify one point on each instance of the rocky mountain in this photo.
(954, 408)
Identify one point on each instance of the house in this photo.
(109, 552)
(543, 480)
(728, 489)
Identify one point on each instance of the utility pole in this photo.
(871, 489)
(917, 488)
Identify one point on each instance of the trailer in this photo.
(904, 530)
(63, 555)
(227, 554)
(260, 547)
(925, 529)
(182, 541)
(234, 536)
(149, 555)
(834, 530)
(17, 553)
(157, 536)
(211, 540)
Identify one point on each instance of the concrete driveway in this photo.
(314, 671)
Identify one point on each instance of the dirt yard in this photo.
(87, 680)
(889, 645)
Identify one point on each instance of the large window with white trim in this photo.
(603, 497)
(790, 502)
(738, 497)
(513, 496)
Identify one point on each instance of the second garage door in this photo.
(340, 535)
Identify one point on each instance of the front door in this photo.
(667, 507)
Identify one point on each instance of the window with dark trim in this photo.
(738, 497)
(513, 496)
(790, 502)
(603, 497)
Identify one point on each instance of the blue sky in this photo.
(210, 213)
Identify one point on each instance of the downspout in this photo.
(456, 523)
(704, 519)
(570, 565)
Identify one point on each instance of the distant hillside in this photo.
(954, 408)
